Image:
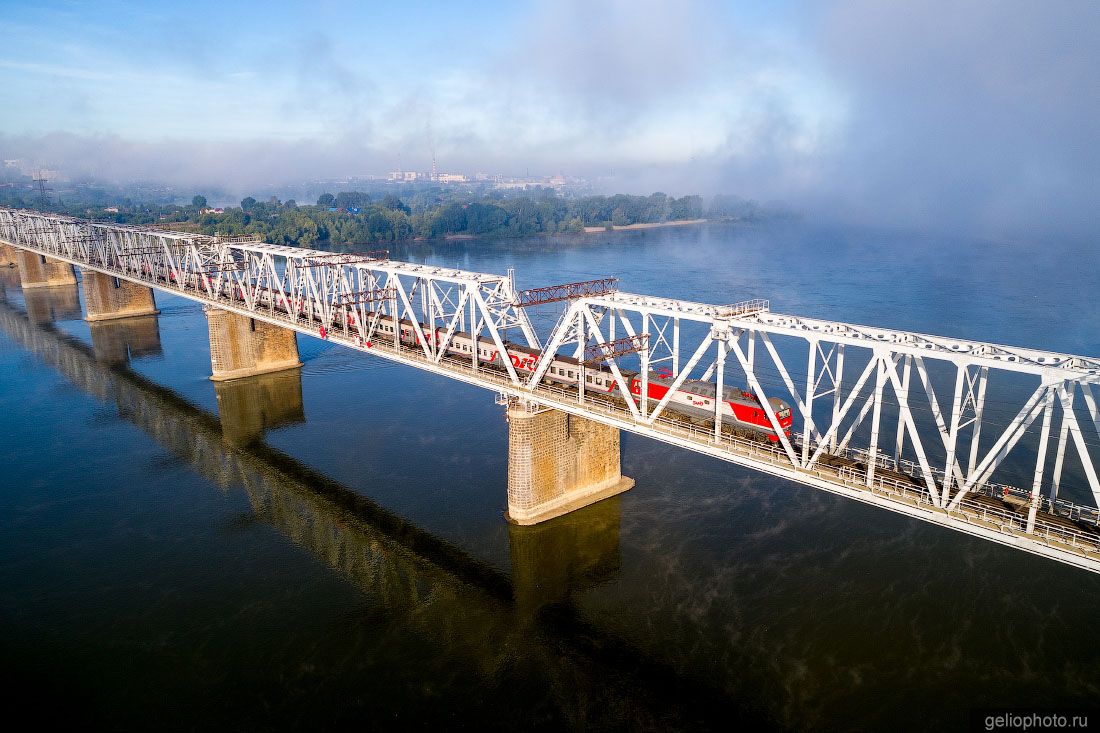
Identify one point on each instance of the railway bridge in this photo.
(991, 440)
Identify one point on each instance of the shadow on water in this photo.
(521, 630)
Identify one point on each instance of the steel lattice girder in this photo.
(888, 360)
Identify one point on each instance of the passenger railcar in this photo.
(694, 398)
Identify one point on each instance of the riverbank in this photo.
(654, 225)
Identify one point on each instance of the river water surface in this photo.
(331, 550)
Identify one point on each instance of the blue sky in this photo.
(966, 112)
(622, 82)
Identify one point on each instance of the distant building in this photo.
(451, 178)
(111, 209)
(404, 175)
(211, 210)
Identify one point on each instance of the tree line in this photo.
(356, 217)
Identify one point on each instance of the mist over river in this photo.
(332, 551)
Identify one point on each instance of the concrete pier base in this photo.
(40, 271)
(243, 347)
(8, 256)
(558, 463)
(107, 297)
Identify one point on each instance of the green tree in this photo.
(391, 202)
(351, 199)
(451, 219)
(485, 218)
(199, 202)
(326, 200)
(248, 203)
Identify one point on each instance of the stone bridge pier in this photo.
(559, 462)
(107, 297)
(8, 256)
(244, 347)
(39, 271)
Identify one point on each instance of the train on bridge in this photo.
(695, 399)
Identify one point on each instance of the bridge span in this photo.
(991, 440)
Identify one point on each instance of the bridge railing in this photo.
(971, 510)
(743, 308)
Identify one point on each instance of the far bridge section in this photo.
(995, 441)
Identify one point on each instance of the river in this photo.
(332, 551)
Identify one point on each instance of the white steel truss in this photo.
(970, 421)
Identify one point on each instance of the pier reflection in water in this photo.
(125, 339)
(57, 303)
(550, 561)
(519, 633)
(249, 407)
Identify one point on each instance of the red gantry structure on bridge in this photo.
(991, 440)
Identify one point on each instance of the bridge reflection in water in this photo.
(469, 608)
